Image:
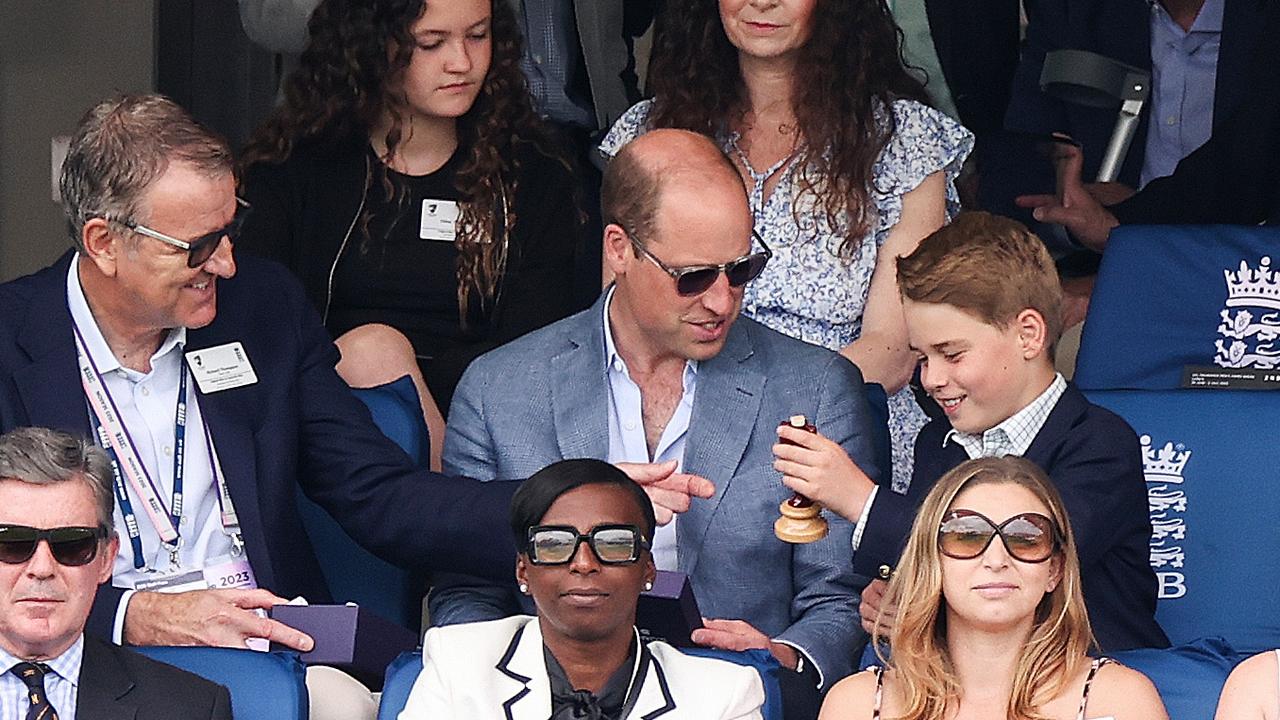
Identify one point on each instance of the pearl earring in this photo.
(524, 588)
(648, 585)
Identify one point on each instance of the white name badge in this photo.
(221, 368)
(178, 583)
(221, 573)
(229, 572)
(438, 220)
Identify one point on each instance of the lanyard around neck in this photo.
(127, 466)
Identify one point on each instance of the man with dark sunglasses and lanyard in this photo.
(211, 383)
(663, 369)
(56, 546)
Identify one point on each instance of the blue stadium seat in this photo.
(398, 414)
(1172, 296)
(1189, 677)
(1169, 300)
(264, 686)
(404, 670)
(398, 682)
(763, 662)
(352, 573)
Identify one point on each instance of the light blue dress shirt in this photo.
(61, 685)
(1184, 70)
(626, 430)
(146, 403)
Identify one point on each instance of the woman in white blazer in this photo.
(581, 657)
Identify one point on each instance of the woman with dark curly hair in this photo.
(845, 165)
(407, 180)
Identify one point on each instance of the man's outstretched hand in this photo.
(1077, 206)
(670, 491)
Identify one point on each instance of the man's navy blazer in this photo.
(298, 425)
(119, 684)
(1093, 458)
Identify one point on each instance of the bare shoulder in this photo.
(852, 697)
(1260, 668)
(1251, 689)
(1124, 693)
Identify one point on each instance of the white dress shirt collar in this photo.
(627, 441)
(1015, 434)
(95, 344)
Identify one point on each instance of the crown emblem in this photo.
(1163, 465)
(1260, 287)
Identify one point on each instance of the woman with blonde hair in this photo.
(988, 629)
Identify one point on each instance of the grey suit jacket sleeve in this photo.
(468, 445)
(827, 626)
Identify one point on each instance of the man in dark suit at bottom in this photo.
(60, 486)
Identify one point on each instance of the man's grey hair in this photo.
(41, 456)
(122, 146)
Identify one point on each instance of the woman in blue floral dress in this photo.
(846, 166)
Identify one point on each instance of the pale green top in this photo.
(919, 51)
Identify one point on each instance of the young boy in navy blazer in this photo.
(983, 309)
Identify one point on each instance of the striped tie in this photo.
(33, 676)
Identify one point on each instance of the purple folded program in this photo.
(669, 612)
(347, 637)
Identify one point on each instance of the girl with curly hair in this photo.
(408, 182)
(991, 621)
(845, 165)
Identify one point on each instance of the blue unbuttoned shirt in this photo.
(1184, 69)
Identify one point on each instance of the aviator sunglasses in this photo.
(612, 544)
(1029, 537)
(70, 546)
(696, 279)
(202, 248)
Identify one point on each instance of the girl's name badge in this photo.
(438, 219)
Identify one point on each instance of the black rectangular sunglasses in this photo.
(612, 544)
(71, 546)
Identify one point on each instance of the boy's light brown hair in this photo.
(989, 266)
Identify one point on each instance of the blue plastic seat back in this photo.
(397, 683)
(1189, 677)
(763, 662)
(404, 670)
(263, 686)
(1211, 459)
(1172, 296)
(398, 414)
(352, 573)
